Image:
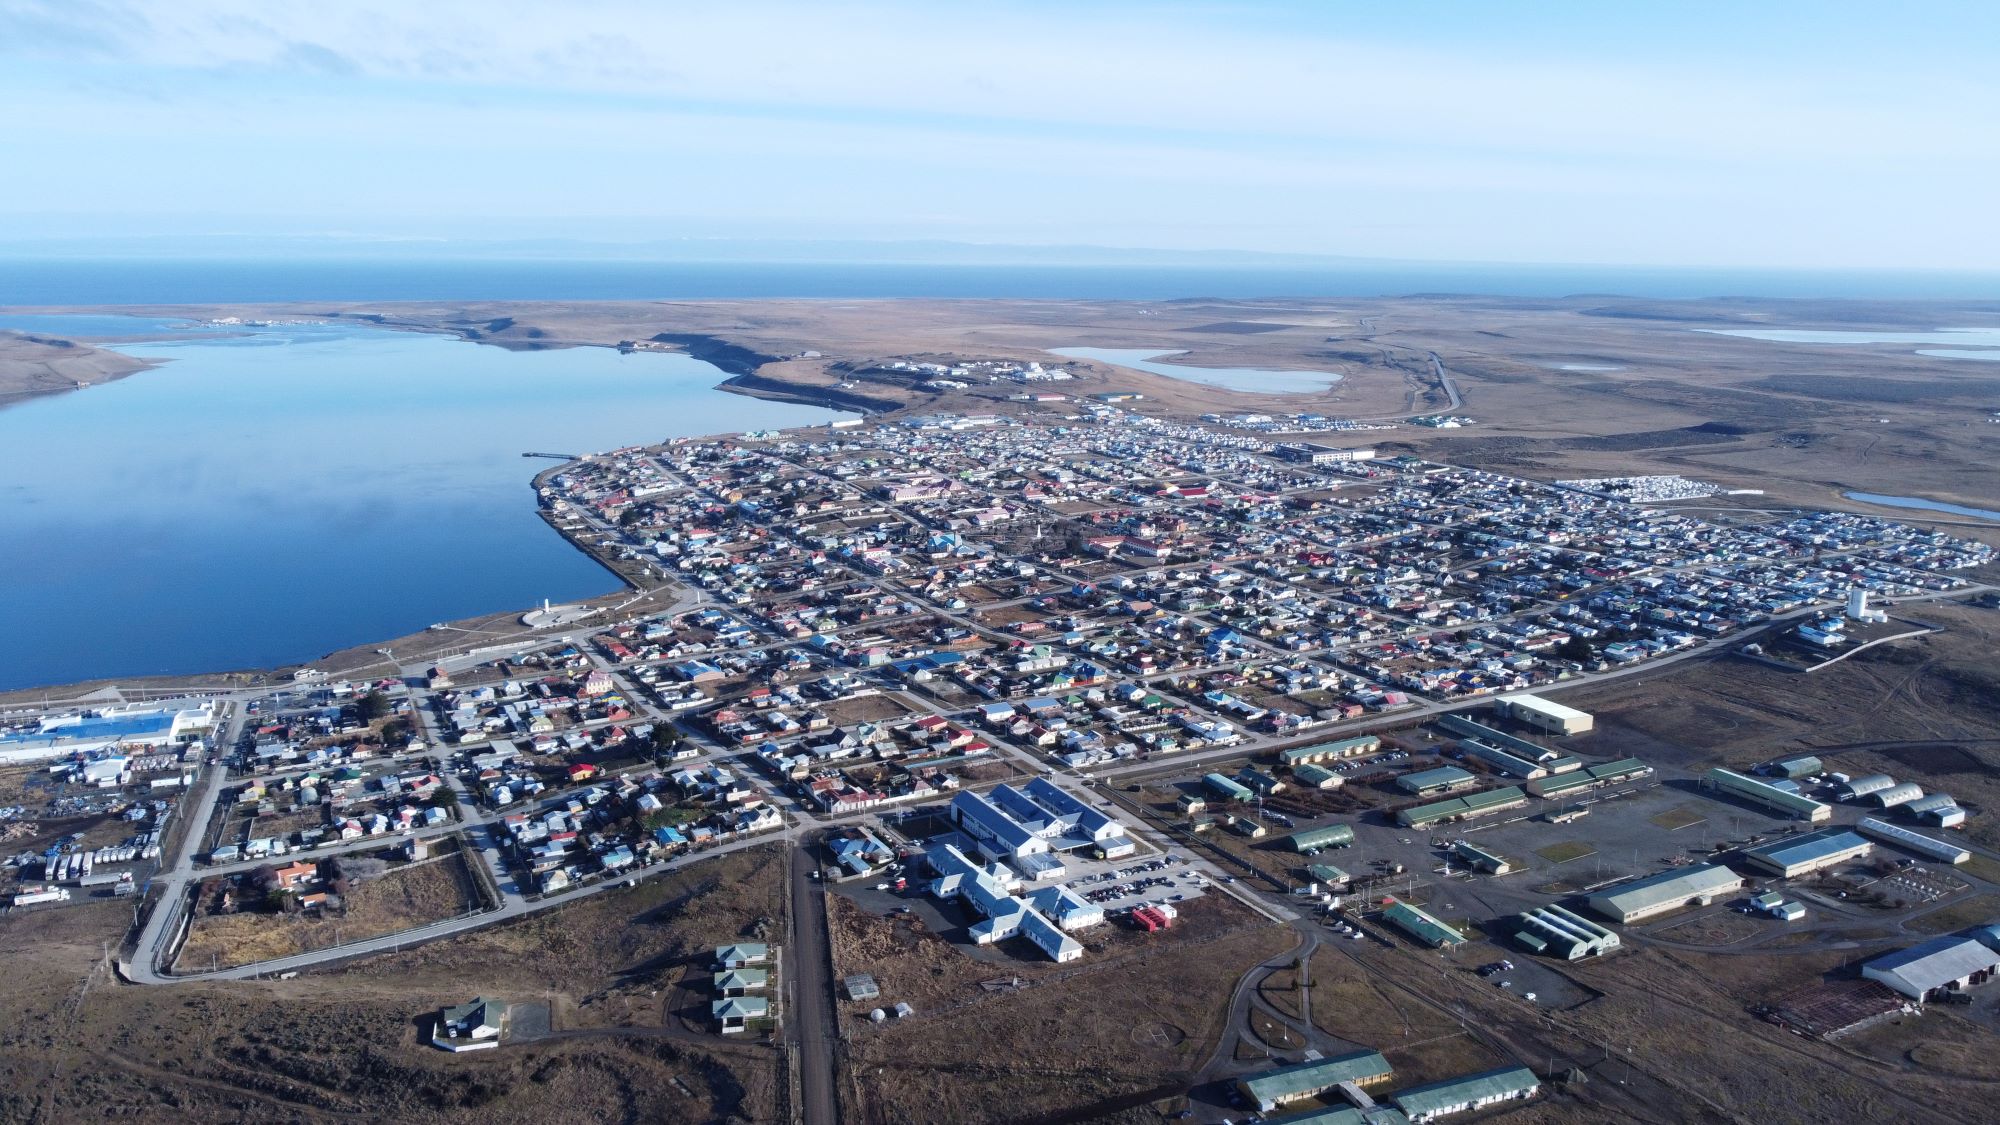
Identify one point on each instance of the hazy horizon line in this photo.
(727, 250)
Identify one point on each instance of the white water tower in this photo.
(1857, 607)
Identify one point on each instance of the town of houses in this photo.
(950, 624)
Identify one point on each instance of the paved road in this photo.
(172, 878)
(143, 969)
(809, 985)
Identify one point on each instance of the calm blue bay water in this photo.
(97, 281)
(271, 497)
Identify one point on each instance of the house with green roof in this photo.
(738, 982)
(742, 955)
(472, 1026)
(735, 1013)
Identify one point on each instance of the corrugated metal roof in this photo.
(1933, 964)
(1809, 848)
(1426, 779)
(1436, 1097)
(1874, 782)
(1668, 886)
(1421, 925)
(1321, 837)
(1898, 794)
(1314, 1075)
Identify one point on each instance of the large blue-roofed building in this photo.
(88, 732)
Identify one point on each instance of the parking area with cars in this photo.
(1118, 885)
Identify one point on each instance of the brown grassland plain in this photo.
(342, 1045)
(1140, 1013)
(402, 898)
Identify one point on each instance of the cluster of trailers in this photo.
(81, 867)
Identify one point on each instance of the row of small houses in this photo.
(338, 830)
(576, 837)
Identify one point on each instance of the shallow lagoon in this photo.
(1256, 380)
(1920, 503)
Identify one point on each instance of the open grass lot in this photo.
(1360, 1006)
(406, 897)
(1938, 1043)
(1565, 851)
(1280, 990)
(1684, 1018)
(1112, 1027)
(865, 709)
(1673, 820)
(1979, 867)
(1976, 910)
(240, 822)
(609, 960)
(1444, 1056)
(79, 1046)
(1925, 710)
(1714, 927)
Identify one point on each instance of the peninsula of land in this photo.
(1558, 388)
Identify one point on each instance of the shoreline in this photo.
(1531, 422)
(107, 364)
(37, 366)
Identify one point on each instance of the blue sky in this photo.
(1771, 134)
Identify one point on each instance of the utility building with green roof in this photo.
(1331, 836)
(1326, 873)
(1566, 785)
(1299, 1081)
(1433, 1100)
(1443, 779)
(1328, 751)
(1317, 777)
(1463, 808)
(1225, 788)
(1420, 924)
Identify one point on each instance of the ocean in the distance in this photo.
(160, 281)
(264, 498)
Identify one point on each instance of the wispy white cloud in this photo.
(1115, 68)
(1168, 124)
